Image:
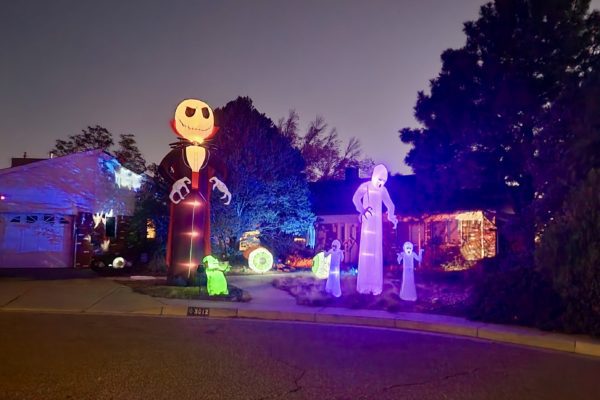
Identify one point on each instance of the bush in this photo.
(509, 291)
(569, 255)
(282, 245)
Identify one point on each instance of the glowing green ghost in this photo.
(216, 284)
(320, 265)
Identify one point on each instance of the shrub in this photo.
(511, 292)
(569, 255)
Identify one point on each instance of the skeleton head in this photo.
(194, 120)
(379, 176)
(335, 245)
(408, 248)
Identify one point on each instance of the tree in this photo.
(95, 137)
(265, 177)
(98, 137)
(151, 205)
(569, 145)
(485, 122)
(129, 155)
(321, 149)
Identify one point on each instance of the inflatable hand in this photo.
(393, 220)
(180, 189)
(218, 184)
(368, 212)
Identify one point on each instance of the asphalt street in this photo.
(70, 356)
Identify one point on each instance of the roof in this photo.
(334, 197)
(90, 181)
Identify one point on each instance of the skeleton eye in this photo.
(205, 112)
(189, 112)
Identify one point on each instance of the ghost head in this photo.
(408, 248)
(194, 120)
(379, 176)
(335, 245)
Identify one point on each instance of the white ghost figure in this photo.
(368, 199)
(101, 217)
(408, 291)
(333, 280)
(105, 245)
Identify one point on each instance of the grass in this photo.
(159, 288)
(437, 294)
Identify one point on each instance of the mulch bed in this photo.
(434, 296)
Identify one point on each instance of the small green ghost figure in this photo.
(216, 284)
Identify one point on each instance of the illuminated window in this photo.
(150, 229)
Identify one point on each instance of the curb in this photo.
(497, 333)
(576, 344)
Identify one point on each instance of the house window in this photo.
(111, 227)
(49, 218)
(31, 219)
(438, 232)
(300, 240)
(452, 231)
(150, 229)
(16, 220)
(445, 232)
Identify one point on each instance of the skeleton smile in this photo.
(192, 128)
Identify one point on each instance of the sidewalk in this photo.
(106, 296)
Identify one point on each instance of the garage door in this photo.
(36, 241)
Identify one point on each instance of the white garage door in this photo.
(36, 240)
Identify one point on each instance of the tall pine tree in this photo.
(489, 108)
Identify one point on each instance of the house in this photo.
(452, 237)
(57, 212)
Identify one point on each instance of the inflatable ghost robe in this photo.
(332, 286)
(191, 170)
(408, 291)
(368, 200)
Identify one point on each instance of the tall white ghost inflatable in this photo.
(368, 199)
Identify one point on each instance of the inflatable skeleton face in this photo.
(194, 120)
(379, 176)
(408, 248)
(336, 245)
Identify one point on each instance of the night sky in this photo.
(125, 65)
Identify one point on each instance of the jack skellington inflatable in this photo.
(191, 171)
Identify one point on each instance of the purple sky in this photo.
(125, 65)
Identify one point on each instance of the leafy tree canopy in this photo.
(97, 137)
(321, 148)
(265, 177)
